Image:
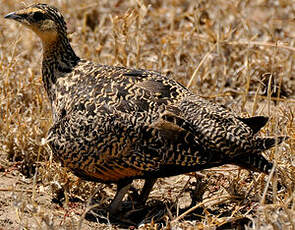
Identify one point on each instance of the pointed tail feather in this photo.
(255, 123)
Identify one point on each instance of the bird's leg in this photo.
(122, 189)
(148, 186)
(140, 211)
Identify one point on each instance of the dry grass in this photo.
(237, 53)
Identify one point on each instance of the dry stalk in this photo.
(218, 200)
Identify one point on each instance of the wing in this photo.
(139, 91)
(199, 132)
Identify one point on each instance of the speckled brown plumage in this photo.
(115, 124)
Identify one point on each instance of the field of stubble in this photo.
(236, 53)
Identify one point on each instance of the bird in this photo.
(114, 124)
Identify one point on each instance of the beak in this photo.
(14, 16)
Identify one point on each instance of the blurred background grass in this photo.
(236, 53)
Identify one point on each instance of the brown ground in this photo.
(237, 53)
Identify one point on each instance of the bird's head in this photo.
(46, 21)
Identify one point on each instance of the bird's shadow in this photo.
(158, 212)
(129, 215)
(155, 211)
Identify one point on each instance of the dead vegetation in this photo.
(237, 53)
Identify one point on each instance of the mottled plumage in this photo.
(115, 124)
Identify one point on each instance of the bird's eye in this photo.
(38, 16)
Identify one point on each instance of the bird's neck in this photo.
(59, 59)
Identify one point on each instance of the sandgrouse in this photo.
(115, 124)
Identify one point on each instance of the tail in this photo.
(254, 162)
(266, 143)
